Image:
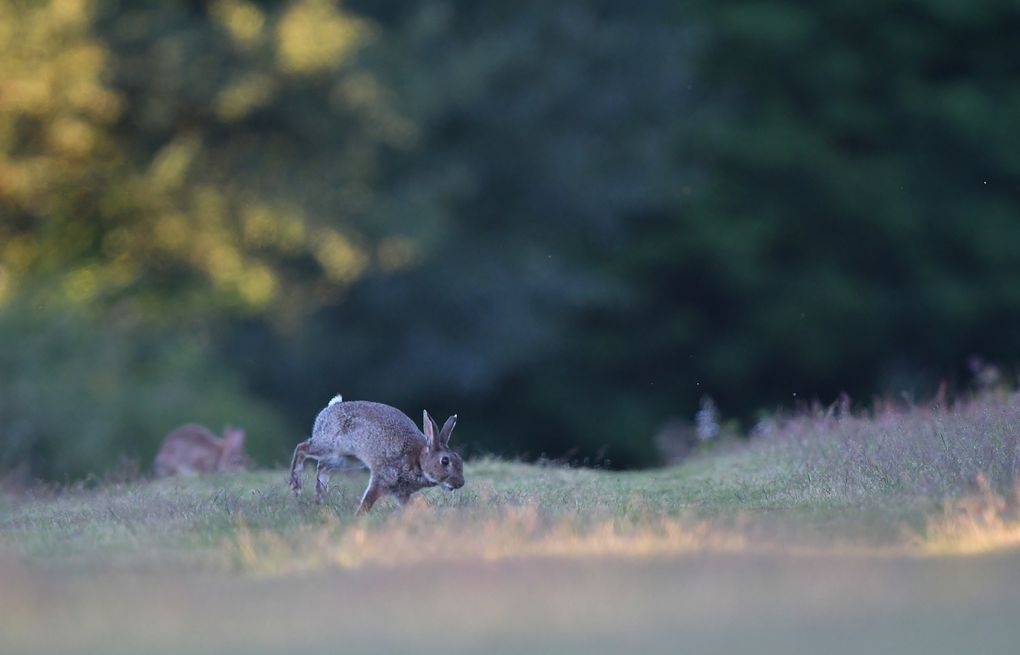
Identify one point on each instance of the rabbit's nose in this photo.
(456, 484)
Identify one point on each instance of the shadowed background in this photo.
(567, 222)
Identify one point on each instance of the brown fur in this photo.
(192, 449)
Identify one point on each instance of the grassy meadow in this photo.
(895, 532)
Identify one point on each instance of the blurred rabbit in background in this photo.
(192, 449)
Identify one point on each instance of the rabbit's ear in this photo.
(233, 438)
(444, 434)
(430, 428)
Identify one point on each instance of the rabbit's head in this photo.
(233, 457)
(441, 465)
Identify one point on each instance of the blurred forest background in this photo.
(566, 221)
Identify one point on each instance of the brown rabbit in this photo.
(192, 449)
(401, 458)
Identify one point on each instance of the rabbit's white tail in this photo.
(336, 399)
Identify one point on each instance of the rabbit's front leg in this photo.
(372, 493)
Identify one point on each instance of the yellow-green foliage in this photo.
(98, 212)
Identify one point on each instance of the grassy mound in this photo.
(810, 538)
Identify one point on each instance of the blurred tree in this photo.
(193, 157)
(860, 193)
(543, 133)
(567, 221)
(78, 397)
(55, 116)
(168, 169)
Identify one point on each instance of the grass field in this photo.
(753, 548)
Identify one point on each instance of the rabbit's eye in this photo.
(445, 461)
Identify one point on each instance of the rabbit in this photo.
(192, 449)
(400, 458)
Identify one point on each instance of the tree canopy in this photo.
(567, 221)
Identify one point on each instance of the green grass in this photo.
(192, 517)
(739, 550)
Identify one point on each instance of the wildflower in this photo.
(707, 420)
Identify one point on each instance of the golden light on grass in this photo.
(981, 523)
(421, 534)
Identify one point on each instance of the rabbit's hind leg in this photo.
(296, 464)
(322, 480)
(329, 464)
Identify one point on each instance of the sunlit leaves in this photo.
(150, 152)
(314, 35)
(242, 20)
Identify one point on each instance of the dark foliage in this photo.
(567, 222)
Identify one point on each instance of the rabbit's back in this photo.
(372, 432)
(187, 450)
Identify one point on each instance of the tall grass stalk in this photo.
(936, 451)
